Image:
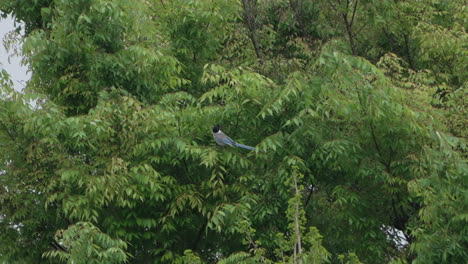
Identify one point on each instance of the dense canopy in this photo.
(357, 110)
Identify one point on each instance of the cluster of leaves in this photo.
(356, 110)
(84, 243)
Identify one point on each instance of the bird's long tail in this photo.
(244, 146)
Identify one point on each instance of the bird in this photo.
(223, 140)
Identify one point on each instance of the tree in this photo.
(354, 109)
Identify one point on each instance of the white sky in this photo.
(12, 64)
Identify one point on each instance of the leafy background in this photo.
(356, 109)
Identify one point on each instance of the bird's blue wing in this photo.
(228, 141)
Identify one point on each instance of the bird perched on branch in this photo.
(223, 140)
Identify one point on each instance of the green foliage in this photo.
(443, 51)
(82, 54)
(443, 219)
(241, 258)
(196, 30)
(84, 243)
(33, 13)
(356, 109)
(350, 258)
(317, 253)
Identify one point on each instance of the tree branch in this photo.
(349, 25)
(296, 224)
(309, 196)
(250, 22)
(354, 12)
(57, 246)
(360, 29)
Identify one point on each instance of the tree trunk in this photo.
(298, 243)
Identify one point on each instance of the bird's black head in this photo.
(216, 128)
